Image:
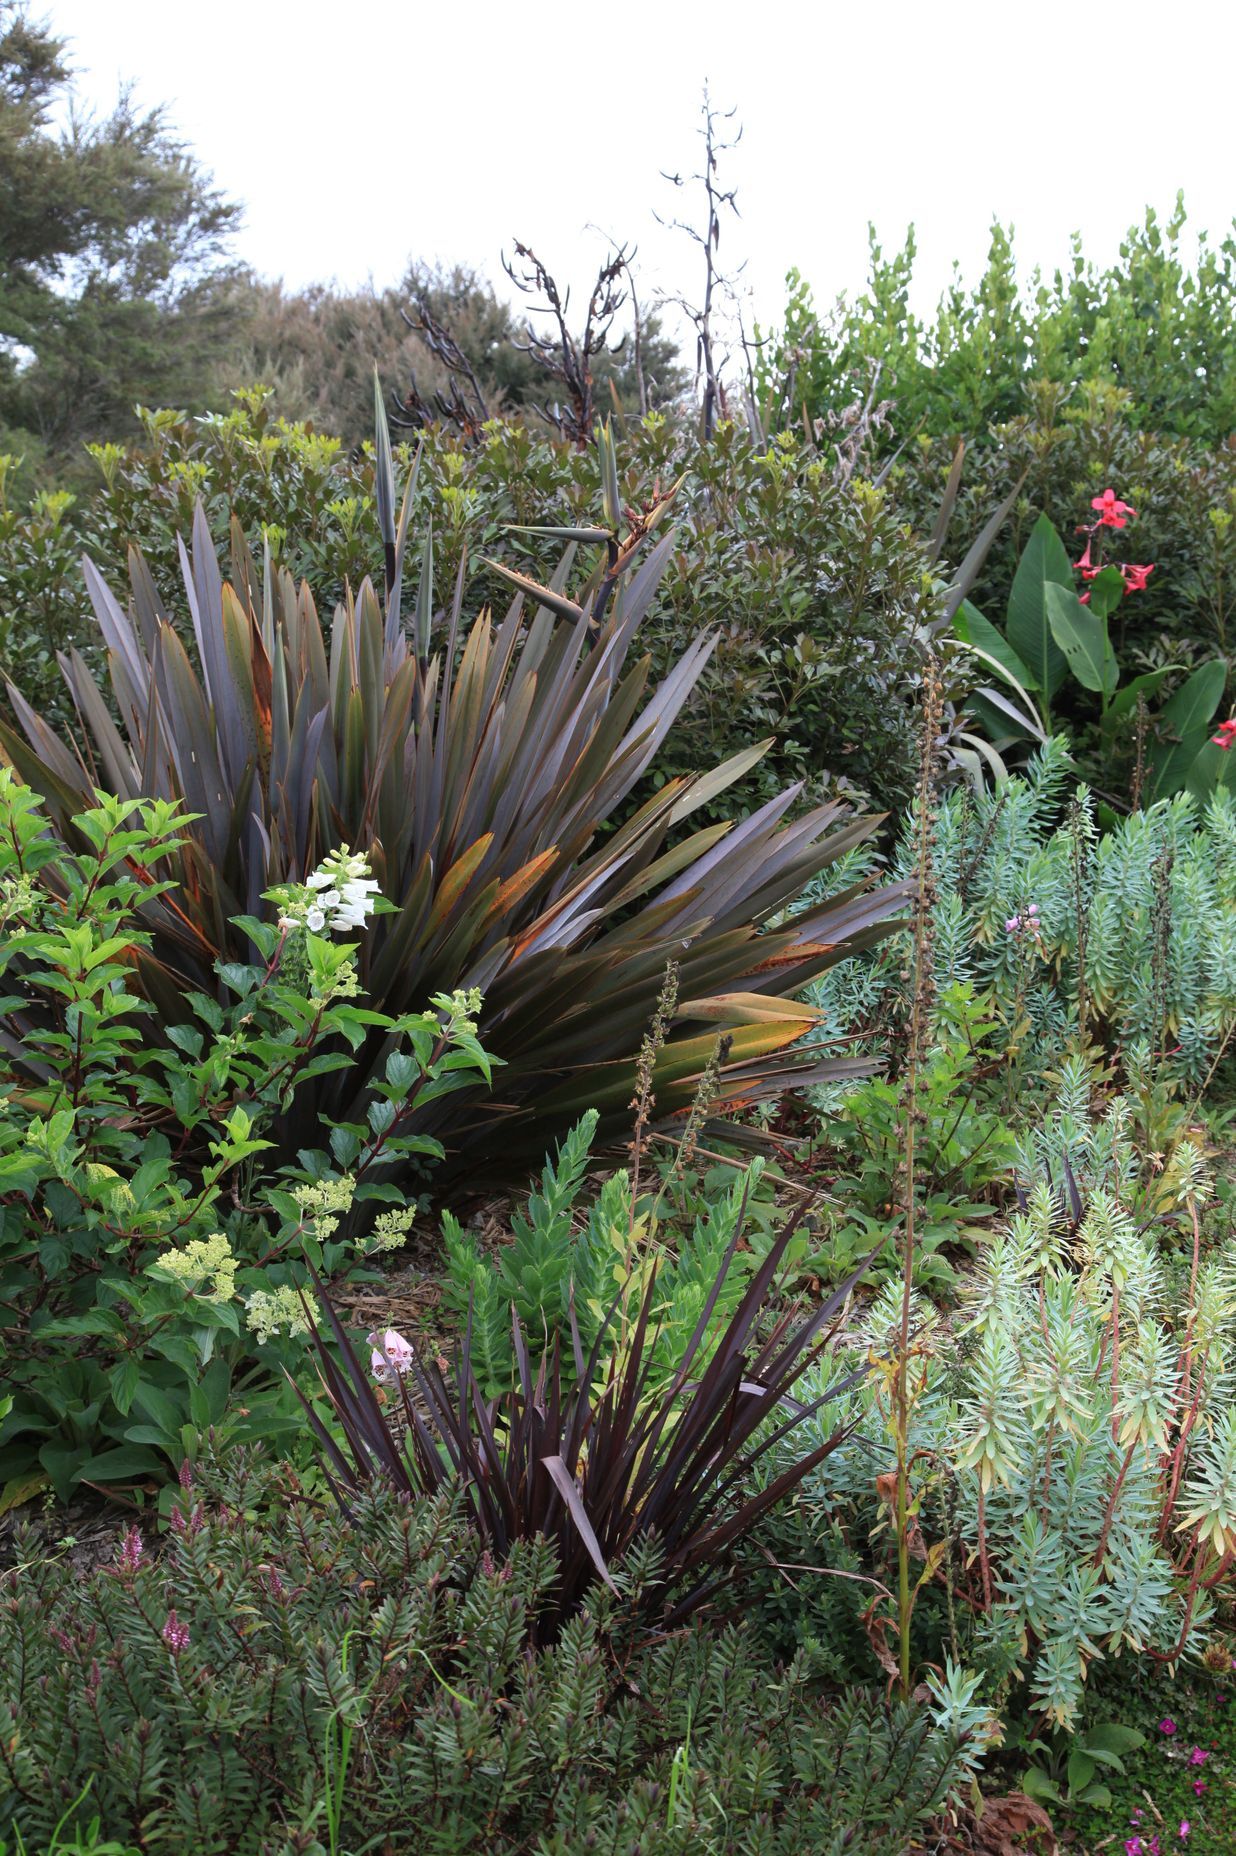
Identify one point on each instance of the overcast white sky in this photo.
(359, 134)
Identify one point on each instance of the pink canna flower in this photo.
(1135, 578)
(391, 1356)
(1226, 735)
(1112, 512)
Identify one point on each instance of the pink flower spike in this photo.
(1167, 1725)
(175, 1634)
(132, 1547)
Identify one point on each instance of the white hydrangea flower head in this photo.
(267, 1311)
(206, 1259)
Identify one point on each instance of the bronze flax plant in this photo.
(601, 1459)
(481, 779)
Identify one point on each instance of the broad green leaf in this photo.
(1043, 563)
(123, 1382)
(21, 1489)
(1082, 636)
(1211, 767)
(1080, 1770)
(1124, 702)
(1106, 592)
(972, 628)
(1186, 720)
(122, 1464)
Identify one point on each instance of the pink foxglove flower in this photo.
(391, 1356)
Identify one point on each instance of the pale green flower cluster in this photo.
(324, 1201)
(205, 1259)
(462, 1008)
(391, 1230)
(269, 1310)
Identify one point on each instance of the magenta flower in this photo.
(132, 1548)
(1133, 1846)
(1199, 1786)
(1198, 1756)
(1167, 1725)
(175, 1634)
(1185, 1827)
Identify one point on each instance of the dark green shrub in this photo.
(1070, 449)
(1154, 324)
(818, 591)
(271, 1681)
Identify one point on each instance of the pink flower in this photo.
(1198, 1756)
(1185, 1827)
(132, 1547)
(1167, 1725)
(1112, 512)
(1226, 734)
(391, 1356)
(175, 1634)
(1135, 578)
(1133, 1846)
(1012, 924)
(1199, 1786)
(1033, 909)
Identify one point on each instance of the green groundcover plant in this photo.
(270, 1679)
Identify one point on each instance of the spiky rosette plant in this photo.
(484, 780)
